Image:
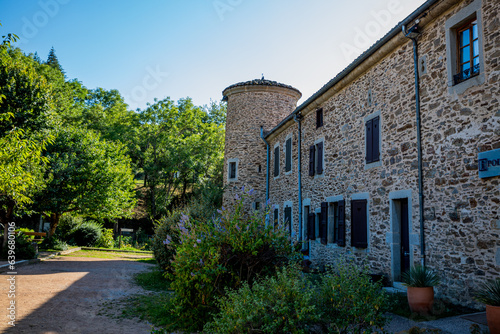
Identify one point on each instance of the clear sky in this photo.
(196, 48)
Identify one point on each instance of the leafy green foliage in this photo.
(67, 224)
(106, 240)
(281, 304)
(53, 243)
(419, 277)
(88, 176)
(350, 302)
(165, 251)
(24, 230)
(220, 254)
(489, 293)
(86, 234)
(24, 247)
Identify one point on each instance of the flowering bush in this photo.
(281, 304)
(214, 256)
(166, 239)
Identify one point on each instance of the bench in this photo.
(35, 234)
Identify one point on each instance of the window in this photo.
(288, 219)
(316, 158)
(276, 217)
(323, 223)
(232, 170)
(319, 118)
(372, 141)
(288, 155)
(359, 222)
(464, 45)
(256, 205)
(336, 223)
(277, 160)
(311, 222)
(468, 52)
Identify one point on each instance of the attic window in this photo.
(319, 118)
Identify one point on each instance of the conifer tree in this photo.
(53, 62)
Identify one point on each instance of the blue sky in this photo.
(196, 48)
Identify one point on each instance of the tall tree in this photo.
(86, 175)
(53, 62)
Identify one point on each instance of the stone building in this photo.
(391, 162)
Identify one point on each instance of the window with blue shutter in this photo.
(288, 156)
(372, 132)
(359, 223)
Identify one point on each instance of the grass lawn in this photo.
(138, 257)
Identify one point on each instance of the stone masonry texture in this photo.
(461, 211)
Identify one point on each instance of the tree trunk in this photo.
(5, 217)
(54, 221)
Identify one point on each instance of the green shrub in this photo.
(86, 234)
(53, 243)
(221, 254)
(106, 239)
(164, 251)
(349, 300)
(67, 224)
(281, 304)
(24, 247)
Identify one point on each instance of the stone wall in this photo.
(462, 212)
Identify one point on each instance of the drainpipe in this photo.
(267, 170)
(298, 119)
(412, 34)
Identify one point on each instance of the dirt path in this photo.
(65, 294)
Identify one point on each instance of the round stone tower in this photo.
(250, 106)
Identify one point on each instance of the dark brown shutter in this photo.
(275, 217)
(359, 224)
(277, 161)
(319, 118)
(323, 223)
(288, 219)
(376, 139)
(341, 223)
(369, 141)
(288, 157)
(311, 235)
(312, 151)
(319, 153)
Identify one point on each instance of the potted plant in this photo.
(489, 294)
(420, 283)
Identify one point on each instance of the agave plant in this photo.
(489, 293)
(419, 277)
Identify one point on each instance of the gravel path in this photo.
(65, 294)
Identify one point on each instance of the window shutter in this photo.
(276, 161)
(319, 168)
(288, 219)
(288, 162)
(311, 235)
(375, 139)
(324, 223)
(359, 223)
(341, 223)
(312, 151)
(369, 141)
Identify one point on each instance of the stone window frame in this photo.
(330, 200)
(316, 142)
(254, 205)
(229, 161)
(367, 118)
(360, 196)
(276, 145)
(472, 11)
(289, 137)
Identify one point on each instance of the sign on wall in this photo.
(489, 163)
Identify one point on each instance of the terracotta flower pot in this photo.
(420, 299)
(493, 317)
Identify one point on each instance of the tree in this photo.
(181, 147)
(25, 107)
(86, 175)
(53, 62)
